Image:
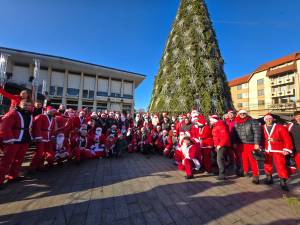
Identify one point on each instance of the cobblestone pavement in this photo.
(138, 189)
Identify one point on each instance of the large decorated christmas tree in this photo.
(191, 73)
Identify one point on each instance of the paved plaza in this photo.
(138, 189)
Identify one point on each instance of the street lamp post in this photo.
(3, 77)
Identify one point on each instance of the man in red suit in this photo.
(15, 131)
(44, 136)
(186, 157)
(278, 143)
(221, 140)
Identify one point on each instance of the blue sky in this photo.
(131, 34)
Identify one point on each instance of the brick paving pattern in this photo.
(140, 190)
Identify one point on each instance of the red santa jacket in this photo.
(12, 127)
(189, 152)
(278, 140)
(220, 134)
(206, 138)
(194, 131)
(81, 142)
(60, 123)
(43, 128)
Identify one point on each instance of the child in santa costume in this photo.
(81, 144)
(110, 145)
(62, 148)
(186, 157)
(278, 143)
(98, 147)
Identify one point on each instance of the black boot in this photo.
(239, 172)
(255, 180)
(189, 177)
(269, 179)
(283, 184)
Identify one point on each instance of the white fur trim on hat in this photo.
(243, 111)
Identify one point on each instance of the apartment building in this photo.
(74, 83)
(272, 87)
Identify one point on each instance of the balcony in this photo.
(280, 93)
(273, 82)
(283, 106)
(274, 94)
(290, 92)
(289, 80)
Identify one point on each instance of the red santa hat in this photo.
(183, 116)
(201, 119)
(268, 116)
(94, 114)
(230, 111)
(214, 118)
(243, 111)
(50, 108)
(165, 114)
(82, 111)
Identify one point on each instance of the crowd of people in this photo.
(196, 144)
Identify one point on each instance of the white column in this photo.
(95, 94)
(122, 88)
(80, 92)
(64, 97)
(49, 75)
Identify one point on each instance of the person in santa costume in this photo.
(15, 99)
(186, 157)
(138, 121)
(249, 138)
(62, 148)
(234, 152)
(278, 144)
(98, 146)
(294, 130)
(221, 141)
(145, 141)
(161, 142)
(110, 145)
(15, 132)
(206, 143)
(44, 136)
(81, 145)
(155, 120)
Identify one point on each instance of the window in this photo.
(260, 81)
(245, 95)
(73, 92)
(239, 87)
(240, 105)
(261, 102)
(239, 96)
(244, 86)
(102, 87)
(57, 83)
(284, 100)
(260, 92)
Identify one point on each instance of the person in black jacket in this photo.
(248, 139)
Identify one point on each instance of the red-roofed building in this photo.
(272, 87)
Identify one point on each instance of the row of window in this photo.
(260, 92)
(246, 104)
(58, 91)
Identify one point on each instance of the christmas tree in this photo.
(191, 73)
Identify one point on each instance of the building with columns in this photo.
(74, 83)
(272, 87)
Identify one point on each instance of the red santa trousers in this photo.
(187, 167)
(247, 157)
(85, 153)
(11, 162)
(279, 161)
(297, 161)
(44, 151)
(206, 160)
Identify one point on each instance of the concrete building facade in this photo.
(75, 83)
(273, 87)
